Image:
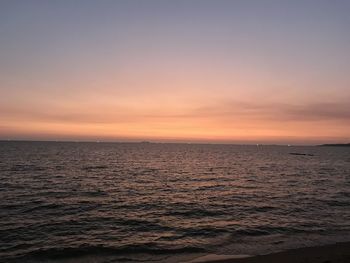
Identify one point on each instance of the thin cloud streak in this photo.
(326, 111)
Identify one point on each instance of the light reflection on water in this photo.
(157, 199)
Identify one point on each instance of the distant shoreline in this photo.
(335, 253)
(179, 142)
(335, 145)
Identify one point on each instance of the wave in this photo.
(272, 230)
(71, 252)
(26, 168)
(94, 167)
(194, 212)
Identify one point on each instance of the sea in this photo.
(168, 202)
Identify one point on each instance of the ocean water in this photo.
(148, 202)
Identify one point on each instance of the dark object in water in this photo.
(304, 154)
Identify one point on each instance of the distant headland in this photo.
(337, 145)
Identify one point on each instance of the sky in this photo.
(242, 71)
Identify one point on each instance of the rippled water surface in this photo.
(111, 202)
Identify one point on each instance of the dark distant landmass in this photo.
(304, 154)
(337, 145)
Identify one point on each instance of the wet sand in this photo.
(336, 253)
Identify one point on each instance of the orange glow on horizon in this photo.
(164, 76)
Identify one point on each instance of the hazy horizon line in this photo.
(172, 142)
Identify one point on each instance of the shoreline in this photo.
(334, 253)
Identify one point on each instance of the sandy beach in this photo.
(336, 253)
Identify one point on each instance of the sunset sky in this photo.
(195, 71)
